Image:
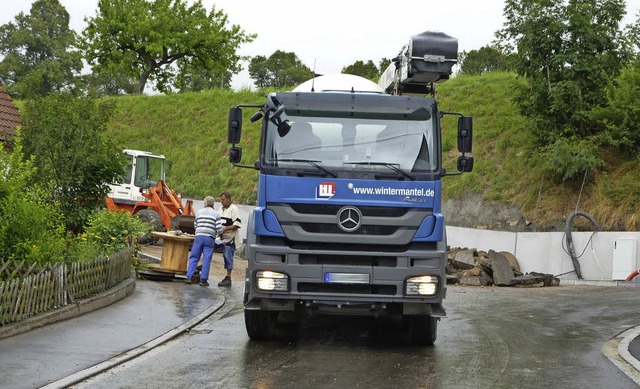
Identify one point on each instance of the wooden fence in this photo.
(35, 289)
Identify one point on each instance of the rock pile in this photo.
(471, 267)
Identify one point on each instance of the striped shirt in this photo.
(208, 222)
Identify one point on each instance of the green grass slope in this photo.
(191, 131)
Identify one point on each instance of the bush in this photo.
(66, 137)
(109, 232)
(621, 117)
(569, 160)
(31, 225)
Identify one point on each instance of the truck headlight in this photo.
(421, 286)
(271, 281)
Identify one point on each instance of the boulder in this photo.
(464, 259)
(515, 265)
(501, 269)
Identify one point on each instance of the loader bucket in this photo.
(185, 224)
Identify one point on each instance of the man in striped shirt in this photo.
(208, 226)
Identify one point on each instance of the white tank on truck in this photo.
(348, 218)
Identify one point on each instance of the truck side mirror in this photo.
(235, 154)
(256, 116)
(283, 128)
(465, 134)
(235, 125)
(465, 164)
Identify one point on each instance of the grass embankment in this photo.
(191, 130)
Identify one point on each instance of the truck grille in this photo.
(334, 229)
(308, 223)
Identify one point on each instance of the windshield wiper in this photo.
(391, 166)
(310, 162)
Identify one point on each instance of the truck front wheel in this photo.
(423, 329)
(259, 324)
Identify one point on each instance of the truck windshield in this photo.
(349, 143)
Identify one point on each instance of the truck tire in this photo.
(150, 216)
(260, 324)
(423, 329)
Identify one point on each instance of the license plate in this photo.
(346, 278)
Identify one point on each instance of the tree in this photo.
(105, 84)
(367, 70)
(384, 64)
(632, 32)
(279, 70)
(569, 52)
(195, 80)
(621, 116)
(155, 40)
(485, 59)
(66, 137)
(37, 51)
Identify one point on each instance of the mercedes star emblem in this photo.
(349, 218)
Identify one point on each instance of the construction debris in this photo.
(471, 267)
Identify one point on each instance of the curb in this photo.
(80, 307)
(573, 282)
(617, 350)
(137, 351)
(623, 348)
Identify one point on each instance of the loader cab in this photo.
(144, 169)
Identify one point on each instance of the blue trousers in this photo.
(228, 251)
(201, 245)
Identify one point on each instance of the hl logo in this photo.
(325, 190)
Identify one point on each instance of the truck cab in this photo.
(348, 220)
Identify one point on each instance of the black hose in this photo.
(572, 253)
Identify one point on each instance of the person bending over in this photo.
(208, 224)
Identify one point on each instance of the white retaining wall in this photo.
(546, 252)
(542, 252)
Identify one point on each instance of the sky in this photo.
(331, 34)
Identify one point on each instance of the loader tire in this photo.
(150, 216)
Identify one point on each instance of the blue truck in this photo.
(348, 218)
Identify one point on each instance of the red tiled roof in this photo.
(9, 116)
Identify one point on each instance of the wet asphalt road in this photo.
(492, 338)
(58, 350)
